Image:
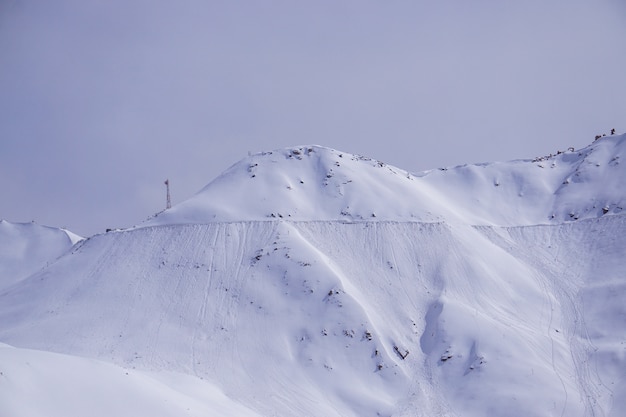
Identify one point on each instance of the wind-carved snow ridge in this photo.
(310, 282)
(27, 247)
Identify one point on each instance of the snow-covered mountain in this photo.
(316, 183)
(312, 282)
(28, 247)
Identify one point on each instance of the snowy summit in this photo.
(307, 183)
(313, 183)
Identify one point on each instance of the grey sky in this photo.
(101, 101)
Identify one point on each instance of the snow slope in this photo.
(317, 183)
(560, 187)
(28, 247)
(308, 183)
(36, 383)
(459, 297)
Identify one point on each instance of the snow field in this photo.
(37, 383)
(313, 317)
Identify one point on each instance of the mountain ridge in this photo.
(28, 247)
(318, 183)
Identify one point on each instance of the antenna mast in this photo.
(168, 202)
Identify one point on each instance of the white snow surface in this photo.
(28, 247)
(315, 183)
(311, 282)
(37, 383)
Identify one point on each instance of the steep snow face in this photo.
(27, 247)
(251, 305)
(316, 183)
(563, 187)
(595, 185)
(348, 319)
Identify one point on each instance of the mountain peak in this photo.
(316, 183)
(307, 183)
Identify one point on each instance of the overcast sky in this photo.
(102, 100)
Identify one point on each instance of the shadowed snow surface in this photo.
(28, 247)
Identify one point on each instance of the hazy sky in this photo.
(102, 100)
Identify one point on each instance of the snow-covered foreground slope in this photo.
(36, 383)
(27, 247)
(314, 318)
(312, 282)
